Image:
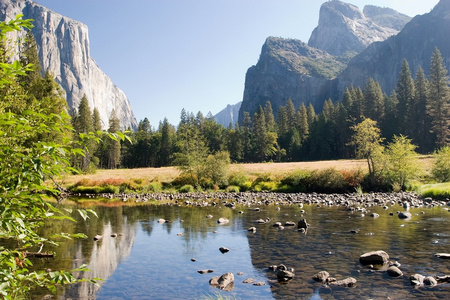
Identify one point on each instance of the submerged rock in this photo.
(348, 282)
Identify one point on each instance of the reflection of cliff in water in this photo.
(106, 255)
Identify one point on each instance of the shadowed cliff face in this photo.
(63, 46)
(289, 69)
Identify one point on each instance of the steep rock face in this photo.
(229, 115)
(386, 17)
(289, 69)
(63, 46)
(344, 28)
(415, 43)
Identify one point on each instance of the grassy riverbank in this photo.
(319, 176)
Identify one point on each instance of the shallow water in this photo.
(152, 260)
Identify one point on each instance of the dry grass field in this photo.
(167, 174)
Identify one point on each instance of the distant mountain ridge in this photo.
(275, 79)
(228, 115)
(63, 48)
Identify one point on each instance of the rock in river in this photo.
(404, 215)
(393, 271)
(224, 282)
(374, 258)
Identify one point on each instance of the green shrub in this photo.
(85, 189)
(155, 187)
(238, 179)
(233, 189)
(110, 189)
(185, 179)
(327, 181)
(441, 166)
(296, 182)
(187, 188)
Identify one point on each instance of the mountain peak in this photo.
(343, 28)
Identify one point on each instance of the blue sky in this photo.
(172, 54)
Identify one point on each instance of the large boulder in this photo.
(379, 257)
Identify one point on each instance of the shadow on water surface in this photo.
(153, 260)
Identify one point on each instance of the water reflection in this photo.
(151, 260)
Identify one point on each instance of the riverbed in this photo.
(157, 251)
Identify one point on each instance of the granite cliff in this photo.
(309, 73)
(63, 47)
(415, 43)
(228, 115)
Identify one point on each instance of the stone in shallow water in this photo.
(379, 257)
(393, 271)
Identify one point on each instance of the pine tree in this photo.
(165, 152)
(302, 121)
(259, 135)
(113, 146)
(374, 101)
(311, 114)
(405, 95)
(438, 106)
(246, 135)
(270, 119)
(83, 124)
(422, 125)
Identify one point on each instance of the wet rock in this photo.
(209, 216)
(240, 273)
(249, 280)
(348, 282)
(374, 215)
(273, 268)
(98, 237)
(205, 271)
(259, 283)
(355, 231)
(289, 223)
(404, 215)
(224, 250)
(193, 259)
(277, 224)
(375, 257)
(285, 274)
(416, 279)
(393, 271)
(322, 276)
(302, 224)
(160, 221)
(223, 221)
(443, 255)
(252, 229)
(260, 221)
(114, 235)
(443, 279)
(430, 281)
(224, 282)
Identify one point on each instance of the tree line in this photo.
(417, 108)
